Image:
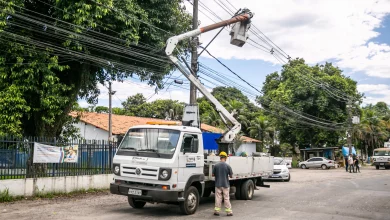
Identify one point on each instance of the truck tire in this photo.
(191, 202)
(135, 204)
(377, 167)
(247, 190)
(207, 192)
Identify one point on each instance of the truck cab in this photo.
(381, 158)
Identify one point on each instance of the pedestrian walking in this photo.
(346, 164)
(222, 171)
(350, 163)
(357, 165)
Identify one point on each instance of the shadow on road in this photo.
(160, 210)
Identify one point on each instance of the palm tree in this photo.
(213, 118)
(262, 129)
(372, 131)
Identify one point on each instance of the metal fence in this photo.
(16, 158)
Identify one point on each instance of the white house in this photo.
(94, 126)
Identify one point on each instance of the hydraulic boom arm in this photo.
(229, 136)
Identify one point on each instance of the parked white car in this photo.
(317, 162)
(281, 171)
(288, 161)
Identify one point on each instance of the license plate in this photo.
(275, 176)
(135, 192)
(382, 164)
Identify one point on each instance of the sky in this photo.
(352, 34)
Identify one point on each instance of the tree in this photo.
(233, 100)
(262, 129)
(136, 105)
(48, 64)
(101, 109)
(285, 149)
(133, 103)
(374, 128)
(301, 88)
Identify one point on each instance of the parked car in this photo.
(317, 162)
(288, 164)
(281, 171)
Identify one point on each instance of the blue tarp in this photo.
(209, 142)
(345, 151)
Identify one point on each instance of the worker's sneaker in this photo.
(230, 214)
(216, 213)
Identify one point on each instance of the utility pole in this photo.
(349, 134)
(110, 141)
(194, 52)
(110, 93)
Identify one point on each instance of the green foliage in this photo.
(285, 149)
(38, 87)
(233, 100)
(292, 89)
(136, 105)
(5, 196)
(12, 108)
(262, 129)
(101, 109)
(374, 127)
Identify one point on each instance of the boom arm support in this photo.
(172, 42)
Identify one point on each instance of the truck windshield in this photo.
(382, 153)
(151, 140)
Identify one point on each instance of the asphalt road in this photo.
(311, 194)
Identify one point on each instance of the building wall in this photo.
(249, 148)
(91, 132)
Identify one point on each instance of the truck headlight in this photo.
(117, 169)
(374, 159)
(164, 174)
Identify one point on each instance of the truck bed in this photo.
(243, 167)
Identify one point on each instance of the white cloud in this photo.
(316, 30)
(373, 59)
(375, 93)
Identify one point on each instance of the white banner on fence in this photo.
(51, 154)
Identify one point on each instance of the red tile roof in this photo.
(121, 123)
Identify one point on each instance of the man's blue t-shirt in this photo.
(222, 171)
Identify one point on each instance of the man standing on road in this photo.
(222, 171)
(356, 163)
(350, 163)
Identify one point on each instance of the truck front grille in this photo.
(140, 172)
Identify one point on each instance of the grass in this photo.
(5, 196)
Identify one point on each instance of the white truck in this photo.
(166, 163)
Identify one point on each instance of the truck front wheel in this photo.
(247, 190)
(135, 204)
(191, 202)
